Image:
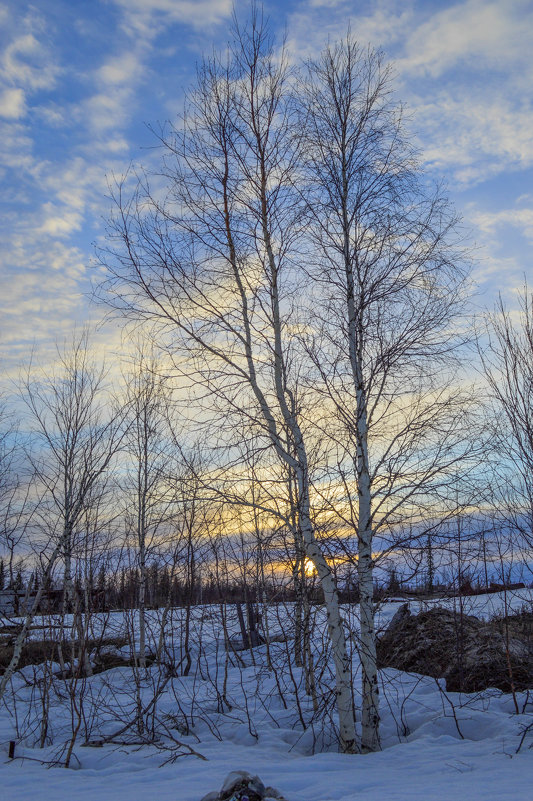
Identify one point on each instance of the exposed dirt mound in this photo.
(469, 653)
(105, 653)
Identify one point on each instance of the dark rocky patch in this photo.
(239, 785)
(105, 653)
(470, 654)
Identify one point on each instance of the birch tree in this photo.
(214, 264)
(14, 491)
(390, 275)
(147, 490)
(308, 285)
(76, 433)
(507, 359)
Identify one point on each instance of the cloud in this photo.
(122, 69)
(490, 222)
(60, 222)
(45, 240)
(311, 25)
(465, 71)
(105, 111)
(16, 146)
(327, 3)
(471, 135)
(146, 18)
(26, 62)
(37, 301)
(44, 284)
(12, 104)
(110, 107)
(477, 32)
(502, 236)
(27, 66)
(53, 115)
(44, 288)
(116, 81)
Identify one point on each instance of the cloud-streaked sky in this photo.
(81, 80)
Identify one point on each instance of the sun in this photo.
(309, 568)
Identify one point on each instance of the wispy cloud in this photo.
(465, 71)
(311, 25)
(471, 136)
(468, 74)
(59, 221)
(482, 34)
(40, 295)
(27, 62)
(503, 237)
(116, 80)
(120, 70)
(146, 17)
(15, 146)
(12, 104)
(518, 218)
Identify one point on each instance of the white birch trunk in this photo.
(337, 635)
(142, 604)
(370, 691)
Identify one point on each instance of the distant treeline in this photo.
(119, 589)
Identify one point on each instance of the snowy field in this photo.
(237, 712)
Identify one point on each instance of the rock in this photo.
(469, 653)
(241, 784)
(271, 794)
(399, 616)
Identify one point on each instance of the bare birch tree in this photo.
(75, 435)
(507, 359)
(390, 280)
(14, 491)
(147, 444)
(214, 263)
(308, 285)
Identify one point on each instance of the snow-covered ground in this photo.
(438, 746)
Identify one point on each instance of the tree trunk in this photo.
(337, 636)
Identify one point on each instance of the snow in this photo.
(434, 769)
(438, 746)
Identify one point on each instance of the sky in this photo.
(82, 81)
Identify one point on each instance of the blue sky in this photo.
(80, 80)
